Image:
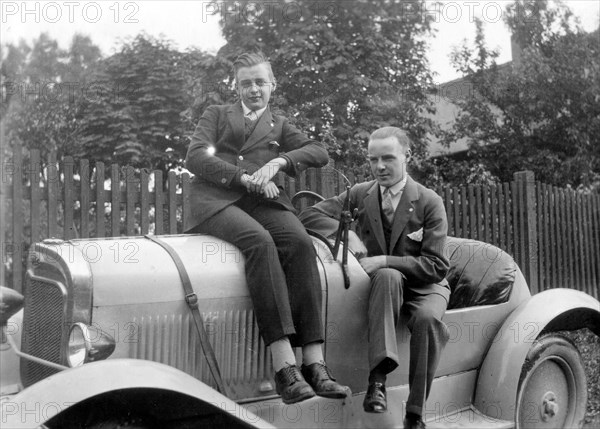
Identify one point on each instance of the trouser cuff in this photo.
(374, 361)
(415, 409)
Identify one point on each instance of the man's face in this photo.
(387, 160)
(254, 85)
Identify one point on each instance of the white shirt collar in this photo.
(394, 189)
(258, 112)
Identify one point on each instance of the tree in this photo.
(542, 113)
(134, 107)
(42, 85)
(138, 116)
(344, 68)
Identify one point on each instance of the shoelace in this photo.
(379, 393)
(291, 372)
(323, 372)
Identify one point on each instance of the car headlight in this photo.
(88, 344)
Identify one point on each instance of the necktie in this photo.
(387, 206)
(251, 119)
(252, 115)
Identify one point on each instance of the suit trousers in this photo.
(281, 267)
(390, 300)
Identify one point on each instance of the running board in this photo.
(468, 418)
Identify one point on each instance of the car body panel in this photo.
(471, 329)
(9, 361)
(54, 394)
(129, 289)
(320, 412)
(147, 315)
(500, 373)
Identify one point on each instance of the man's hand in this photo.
(373, 263)
(271, 191)
(245, 180)
(261, 177)
(356, 245)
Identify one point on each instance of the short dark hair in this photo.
(249, 59)
(385, 132)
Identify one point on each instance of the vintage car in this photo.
(105, 339)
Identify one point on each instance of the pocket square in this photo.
(273, 143)
(417, 235)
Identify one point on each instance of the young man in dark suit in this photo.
(402, 229)
(234, 153)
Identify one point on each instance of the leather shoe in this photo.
(292, 387)
(375, 399)
(413, 421)
(322, 382)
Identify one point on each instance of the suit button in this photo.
(223, 181)
(241, 158)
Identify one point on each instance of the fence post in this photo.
(4, 199)
(528, 240)
(18, 239)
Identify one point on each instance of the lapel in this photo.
(371, 202)
(403, 211)
(235, 115)
(264, 127)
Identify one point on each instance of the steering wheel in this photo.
(304, 199)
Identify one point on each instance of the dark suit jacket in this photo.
(216, 184)
(418, 234)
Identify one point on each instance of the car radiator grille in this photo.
(242, 356)
(44, 320)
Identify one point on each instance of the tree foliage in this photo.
(343, 68)
(138, 113)
(133, 107)
(43, 85)
(543, 112)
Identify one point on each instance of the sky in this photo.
(191, 23)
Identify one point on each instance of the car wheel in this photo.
(553, 387)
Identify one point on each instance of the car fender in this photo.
(55, 394)
(10, 376)
(551, 310)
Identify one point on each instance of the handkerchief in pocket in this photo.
(417, 235)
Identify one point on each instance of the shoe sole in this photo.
(301, 398)
(383, 410)
(333, 395)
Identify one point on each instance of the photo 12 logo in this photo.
(66, 92)
(25, 12)
(466, 11)
(271, 10)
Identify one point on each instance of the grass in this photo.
(589, 347)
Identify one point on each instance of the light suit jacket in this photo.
(418, 234)
(216, 184)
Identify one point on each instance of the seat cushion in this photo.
(480, 273)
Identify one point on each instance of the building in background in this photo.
(445, 97)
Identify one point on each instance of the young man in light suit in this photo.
(402, 230)
(234, 154)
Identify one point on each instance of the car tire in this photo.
(552, 389)
(122, 422)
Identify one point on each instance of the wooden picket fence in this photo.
(553, 233)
